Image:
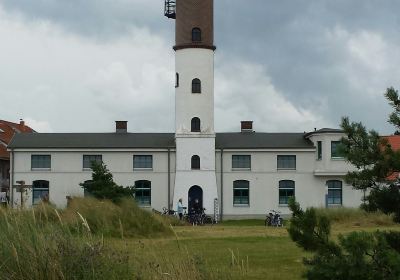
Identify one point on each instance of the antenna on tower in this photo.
(170, 9)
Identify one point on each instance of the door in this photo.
(195, 192)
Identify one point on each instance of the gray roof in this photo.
(258, 140)
(247, 140)
(93, 140)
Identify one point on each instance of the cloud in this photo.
(252, 96)
(38, 126)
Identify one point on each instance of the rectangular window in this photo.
(240, 193)
(241, 161)
(89, 159)
(286, 162)
(286, 191)
(40, 192)
(143, 162)
(319, 150)
(334, 192)
(336, 149)
(143, 193)
(40, 162)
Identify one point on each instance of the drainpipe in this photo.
(222, 185)
(12, 179)
(169, 179)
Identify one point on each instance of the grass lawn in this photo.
(234, 249)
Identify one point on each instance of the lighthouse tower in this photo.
(194, 102)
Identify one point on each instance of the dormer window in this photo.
(196, 34)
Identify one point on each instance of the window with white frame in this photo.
(40, 191)
(88, 160)
(241, 161)
(319, 150)
(334, 192)
(336, 149)
(286, 162)
(286, 191)
(40, 162)
(142, 162)
(143, 192)
(241, 192)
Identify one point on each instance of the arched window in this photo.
(40, 191)
(334, 192)
(177, 80)
(196, 86)
(143, 192)
(241, 192)
(195, 125)
(195, 162)
(286, 190)
(196, 34)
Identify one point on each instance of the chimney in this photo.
(247, 126)
(121, 126)
(21, 122)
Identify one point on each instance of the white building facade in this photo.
(237, 175)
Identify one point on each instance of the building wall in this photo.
(67, 173)
(310, 189)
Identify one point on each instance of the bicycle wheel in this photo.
(267, 221)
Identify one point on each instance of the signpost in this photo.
(21, 187)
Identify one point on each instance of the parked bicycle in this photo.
(199, 217)
(169, 212)
(274, 219)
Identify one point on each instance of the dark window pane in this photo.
(241, 161)
(336, 149)
(286, 162)
(195, 162)
(195, 125)
(143, 192)
(89, 159)
(143, 161)
(319, 150)
(196, 34)
(241, 192)
(41, 161)
(286, 190)
(196, 86)
(40, 191)
(334, 192)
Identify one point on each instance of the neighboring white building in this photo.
(243, 174)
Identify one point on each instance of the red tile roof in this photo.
(394, 142)
(7, 131)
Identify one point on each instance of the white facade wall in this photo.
(310, 187)
(67, 173)
(191, 64)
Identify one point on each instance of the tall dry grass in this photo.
(355, 217)
(80, 243)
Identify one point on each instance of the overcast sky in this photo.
(288, 65)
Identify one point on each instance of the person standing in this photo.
(180, 209)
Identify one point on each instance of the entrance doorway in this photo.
(195, 192)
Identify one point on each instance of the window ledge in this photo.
(86, 169)
(286, 169)
(40, 169)
(241, 169)
(283, 205)
(338, 158)
(142, 169)
(144, 206)
(241, 205)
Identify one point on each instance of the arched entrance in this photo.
(194, 193)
